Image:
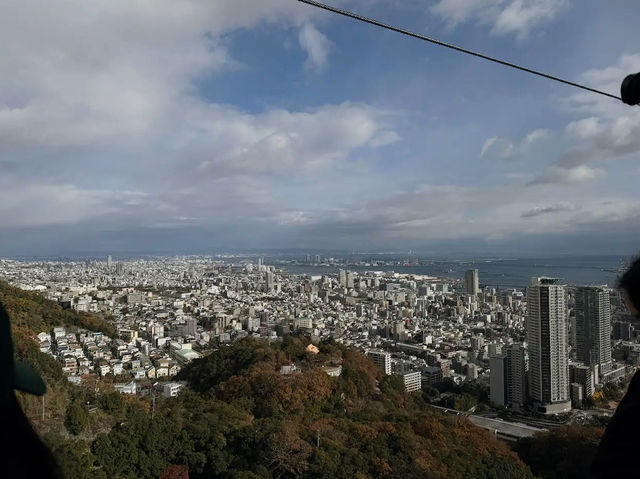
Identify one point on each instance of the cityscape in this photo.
(542, 351)
(336, 239)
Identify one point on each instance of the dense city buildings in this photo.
(547, 338)
(428, 331)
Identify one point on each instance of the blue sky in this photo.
(199, 126)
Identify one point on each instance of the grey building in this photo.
(585, 376)
(471, 282)
(498, 380)
(516, 375)
(547, 331)
(622, 330)
(593, 327)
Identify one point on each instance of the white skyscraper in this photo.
(109, 262)
(547, 337)
(593, 327)
(471, 282)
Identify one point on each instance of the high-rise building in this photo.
(494, 349)
(342, 278)
(350, 279)
(471, 282)
(585, 376)
(498, 380)
(593, 327)
(381, 359)
(547, 331)
(270, 280)
(109, 262)
(477, 343)
(119, 267)
(516, 375)
(190, 329)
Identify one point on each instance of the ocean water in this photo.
(503, 273)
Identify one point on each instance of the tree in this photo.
(564, 452)
(112, 402)
(73, 457)
(77, 417)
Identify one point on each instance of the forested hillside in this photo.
(36, 313)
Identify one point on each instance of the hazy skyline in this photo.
(235, 124)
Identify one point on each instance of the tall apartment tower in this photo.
(516, 375)
(342, 278)
(471, 282)
(547, 335)
(507, 379)
(350, 278)
(593, 327)
(109, 262)
(191, 325)
(270, 280)
(498, 380)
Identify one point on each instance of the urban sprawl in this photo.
(541, 350)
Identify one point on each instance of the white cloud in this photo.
(521, 16)
(131, 76)
(507, 150)
(561, 175)
(584, 129)
(433, 213)
(316, 45)
(607, 131)
(103, 95)
(280, 142)
(503, 16)
(37, 205)
(102, 127)
(535, 136)
(498, 147)
(550, 209)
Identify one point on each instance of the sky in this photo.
(204, 126)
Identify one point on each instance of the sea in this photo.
(498, 272)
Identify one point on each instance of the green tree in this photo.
(73, 457)
(77, 417)
(564, 452)
(112, 402)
